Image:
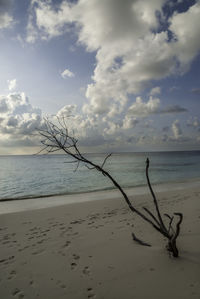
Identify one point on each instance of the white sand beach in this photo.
(85, 250)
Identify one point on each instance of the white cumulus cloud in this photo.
(176, 129)
(67, 73)
(155, 90)
(130, 122)
(67, 110)
(130, 50)
(152, 106)
(140, 108)
(12, 84)
(195, 123)
(6, 18)
(19, 120)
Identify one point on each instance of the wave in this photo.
(124, 186)
(174, 164)
(24, 178)
(68, 193)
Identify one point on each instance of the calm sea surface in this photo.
(37, 176)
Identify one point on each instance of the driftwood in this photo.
(140, 241)
(56, 137)
(169, 232)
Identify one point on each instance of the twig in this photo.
(140, 241)
(151, 214)
(108, 156)
(170, 223)
(178, 225)
(154, 198)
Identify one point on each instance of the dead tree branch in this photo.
(173, 235)
(140, 241)
(56, 137)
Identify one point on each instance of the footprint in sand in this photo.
(73, 266)
(71, 234)
(41, 241)
(76, 256)
(60, 284)
(12, 274)
(31, 283)
(67, 243)
(86, 270)
(27, 222)
(90, 293)
(38, 251)
(8, 260)
(151, 269)
(63, 286)
(3, 228)
(17, 293)
(61, 253)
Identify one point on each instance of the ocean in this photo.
(47, 175)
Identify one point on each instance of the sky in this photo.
(124, 73)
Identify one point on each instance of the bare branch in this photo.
(78, 162)
(140, 241)
(154, 198)
(178, 224)
(151, 214)
(108, 156)
(56, 137)
(170, 223)
(90, 168)
(40, 151)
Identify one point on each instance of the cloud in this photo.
(155, 90)
(19, 120)
(5, 20)
(67, 73)
(185, 27)
(95, 129)
(176, 129)
(17, 103)
(152, 106)
(173, 109)
(32, 33)
(3, 105)
(196, 90)
(130, 48)
(5, 17)
(50, 22)
(195, 123)
(112, 128)
(85, 127)
(12, 84)
(174, 88)
(178, 137)
(98, 105)
(141, 108)
(130, 122)
(67, 111)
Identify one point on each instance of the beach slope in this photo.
(85, 250)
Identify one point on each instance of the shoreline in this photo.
(137, 187)
(25, 204)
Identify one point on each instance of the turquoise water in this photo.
(37, 176)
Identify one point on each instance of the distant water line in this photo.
(39, 176)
